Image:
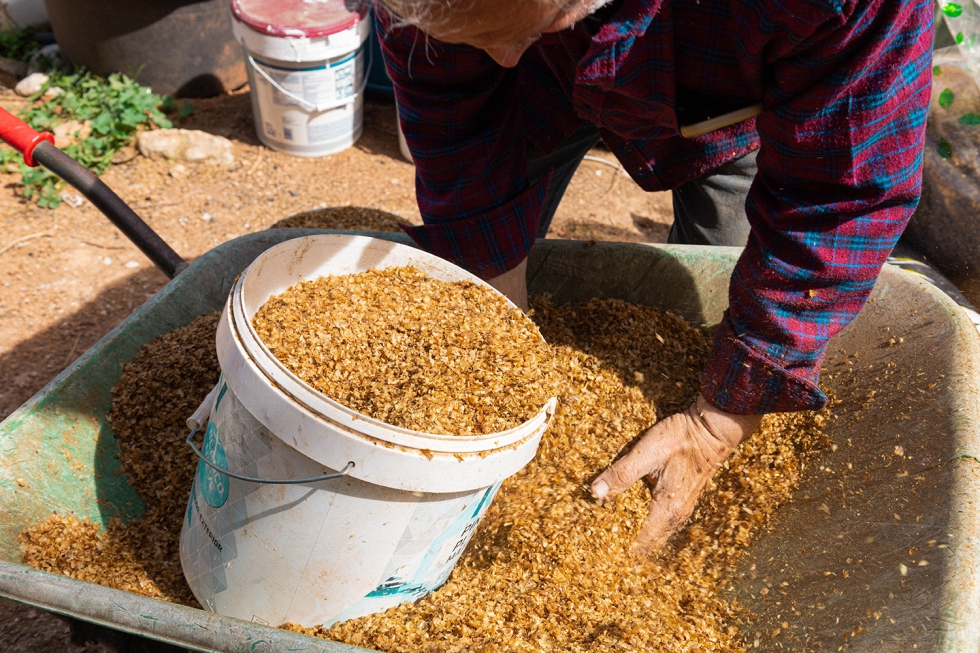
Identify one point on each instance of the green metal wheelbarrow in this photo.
(932, 401)
(845, 558)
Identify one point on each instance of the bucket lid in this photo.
(299, 18)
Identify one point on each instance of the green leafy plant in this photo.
(18, 44)
(945, 148)
(970, 119)
(952, 9)
(111, 110)
(946, 98)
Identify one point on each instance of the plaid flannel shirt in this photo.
(845, 88)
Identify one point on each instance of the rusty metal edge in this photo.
(167, 622)
(961, 588)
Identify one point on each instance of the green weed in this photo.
(116, 109)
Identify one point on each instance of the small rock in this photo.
(31, 84)
(53, 92)
(178, 171)
(11, 72)
(71, 132)
(207, 217)
(124, 155)
(74, 200)
(186, 145)
(132, 265)
(13, 67)
(46, 58)
(107, 260)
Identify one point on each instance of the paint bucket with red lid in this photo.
(307, 64)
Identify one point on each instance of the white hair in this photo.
(434, 13)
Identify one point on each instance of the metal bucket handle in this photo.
(303, 102)
(267, 481)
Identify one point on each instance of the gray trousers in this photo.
(707, 211)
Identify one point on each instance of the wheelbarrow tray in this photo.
(843, 546)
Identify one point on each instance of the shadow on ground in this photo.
(231, 116)
(38, 359)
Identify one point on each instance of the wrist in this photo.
(513, 284)
(729, 428)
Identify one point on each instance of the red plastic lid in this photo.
(299, 18)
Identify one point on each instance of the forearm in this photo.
(460, 115)
(839, 176)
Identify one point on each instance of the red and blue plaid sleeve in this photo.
(839, 175)
(457, 112)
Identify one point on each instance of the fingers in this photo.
(673, 502)
(646, 457)
(662, 521)
(678, 455)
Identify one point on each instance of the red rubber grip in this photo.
(19, 135)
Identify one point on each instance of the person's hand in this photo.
(678, 456)
(513, 284)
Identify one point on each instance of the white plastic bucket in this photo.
(306, 80)
(389, 529)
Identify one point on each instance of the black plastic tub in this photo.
(184, 47)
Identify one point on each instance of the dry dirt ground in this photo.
(70, 276)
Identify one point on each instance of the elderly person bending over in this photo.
(500, 100)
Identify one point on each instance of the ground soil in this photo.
(70, 276)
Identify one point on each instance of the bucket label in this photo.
(431, 546)
(321, 86)
(214, 484)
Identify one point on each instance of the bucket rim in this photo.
(283, 379)
(296, 32)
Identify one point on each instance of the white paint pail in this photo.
(389, 530)
(307, 67)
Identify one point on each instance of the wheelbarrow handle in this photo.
(39, 148)
(19, 135)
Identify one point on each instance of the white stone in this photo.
(74, 200)
(186, 145)
(53, 92)
(132, 265)
(178, 171)
(71, 131)
(30, 84)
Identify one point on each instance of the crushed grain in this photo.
(550, 569)
(348, 218)
(159, 389)
(451, 358)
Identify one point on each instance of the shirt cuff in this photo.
(743, 381)
(488, 244)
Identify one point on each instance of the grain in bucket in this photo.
(306, 511)
(307, 66)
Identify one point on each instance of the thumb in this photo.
(643, 459)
